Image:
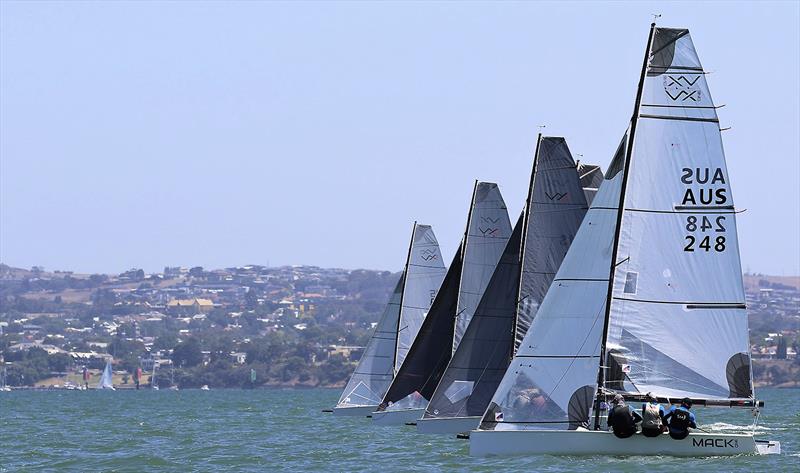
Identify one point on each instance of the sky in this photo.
(146, 134)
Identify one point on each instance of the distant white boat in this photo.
(105, 379)
(205, 388)
(3, 386)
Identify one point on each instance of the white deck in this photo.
(587, 442)
(447, 425)
(360, 411)
(397, 417)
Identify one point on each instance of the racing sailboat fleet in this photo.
(623, 284)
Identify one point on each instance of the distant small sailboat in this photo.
(3, 386)
(172, 385)
(487, 232)
(106, 378)
(205, 388)
(153, 383)
(397, 328)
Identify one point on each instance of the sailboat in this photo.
(153, 383)
(172, 385)
(106, 378)
(554, 209)
(487, 233)
(3, 384)
(649, 297)
(398, 326)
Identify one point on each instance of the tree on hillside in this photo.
(780, 353)
(188, 353)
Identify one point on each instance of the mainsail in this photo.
(652, 284)
(553, 213)
(381, 359)
(488, 230)
(106, 378)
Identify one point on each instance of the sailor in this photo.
(680, 419)
(622, 419)
(652, 417)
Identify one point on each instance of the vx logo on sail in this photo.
(556, 195)
(428, 254)
(682, 88)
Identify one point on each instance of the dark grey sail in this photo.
(553, 213)
(556, 206)
(480, 361)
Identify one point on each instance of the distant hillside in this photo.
(761, 281)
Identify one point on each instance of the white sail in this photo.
(106, 378)
(677, 322)
(375, 369)
(424, 274)
(488, 231)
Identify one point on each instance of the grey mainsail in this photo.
(553, 213)
(423, 276)
(650, 295)
(401, 319)
(488, 230)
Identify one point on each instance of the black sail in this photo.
(482, 357)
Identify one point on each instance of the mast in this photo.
(402, 293)
(612, 270)
(525, 218)
(463, 253)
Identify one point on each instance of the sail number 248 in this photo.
(705, 233)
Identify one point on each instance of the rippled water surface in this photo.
(285, 430)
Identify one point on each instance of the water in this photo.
(284, 430)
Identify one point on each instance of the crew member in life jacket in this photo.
(652, 417)
(680, 419)
(622, 419)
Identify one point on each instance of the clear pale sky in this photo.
(145, 134)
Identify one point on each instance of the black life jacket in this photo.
(680, 419)
(622, 419)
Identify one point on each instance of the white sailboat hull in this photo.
(355, 411)
(398, 417)
(447, 425)
(588, 442)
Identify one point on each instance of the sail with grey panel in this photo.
(660, 308)
(678, 252)
(408, 304)
(423, 276)
(553, 213)
(488, 230)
